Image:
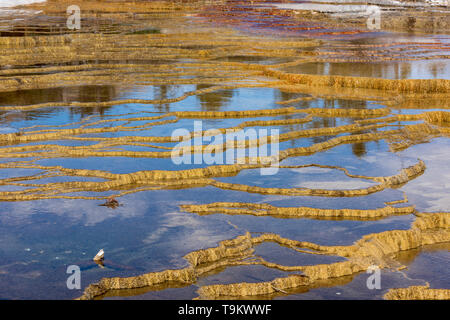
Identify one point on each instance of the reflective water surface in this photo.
(70, 137)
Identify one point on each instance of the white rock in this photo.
(100, 255)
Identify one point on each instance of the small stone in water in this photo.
(100, 255)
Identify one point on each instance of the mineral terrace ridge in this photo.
(104, 136)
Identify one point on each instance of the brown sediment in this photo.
(31, 49)
(373, 249)
(167, 179)
(412, 134)
(229, 252)
(237, 208)
(341, 112)
(396, 18)
(417, 293)
(399, 179)
(404, 200)
(166, 47)
(115, 55)
(125, 101)
(408, 135)
(92, 7)
(295, 100)
(45, 135)
(180, 276)
(432, 117)
(331, 143)
(99, 150)
(410, 85)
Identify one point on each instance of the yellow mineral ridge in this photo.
(373, 249)
(140, 43)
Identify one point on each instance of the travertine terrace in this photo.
(207, 50)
